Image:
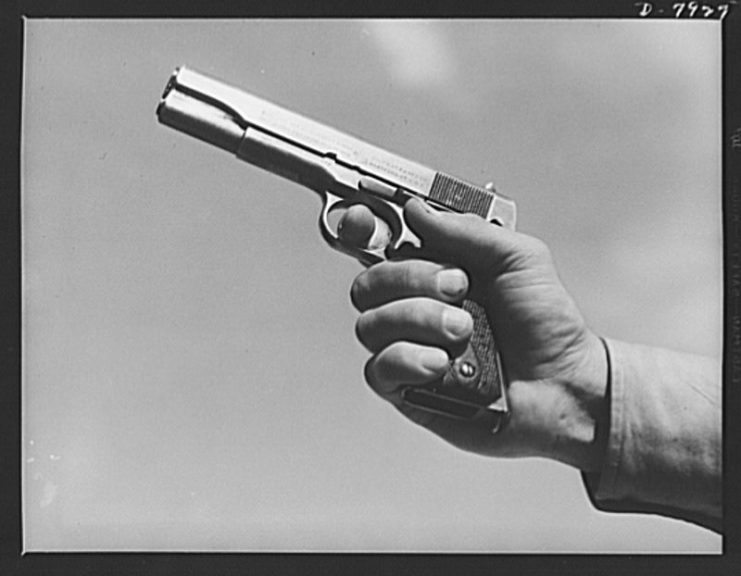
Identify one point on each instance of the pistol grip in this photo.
(473, 386)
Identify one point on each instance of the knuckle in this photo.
(378, 373)
(369, 372)
(431, 315)
(534, 245)
(407, 277)
(418, 312)
(363, 328)
(359, 290)
(401, 272)
(375, 380)
(417, 315)
(536, 248)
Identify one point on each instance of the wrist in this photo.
(581, 435)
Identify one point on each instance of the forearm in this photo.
(664, 449)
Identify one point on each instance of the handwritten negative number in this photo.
(693, 7)
(687, 9)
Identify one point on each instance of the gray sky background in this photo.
(191, 376)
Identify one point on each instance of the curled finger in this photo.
(420, 320)
(403, 364)
(393, 280)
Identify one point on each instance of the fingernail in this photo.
(429, 209)
(452, 282)
(457, 322)
(434, 360)
(424, 205)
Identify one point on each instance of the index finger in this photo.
(357, 225)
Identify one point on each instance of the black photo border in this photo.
(12, 558)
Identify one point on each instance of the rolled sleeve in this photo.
(664, 449)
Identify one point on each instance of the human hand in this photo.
(412, 323)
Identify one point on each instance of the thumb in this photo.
(466, 240)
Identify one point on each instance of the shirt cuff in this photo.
(663, 451)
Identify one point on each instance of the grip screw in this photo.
(467, 370)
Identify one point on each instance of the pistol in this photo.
(346, 171)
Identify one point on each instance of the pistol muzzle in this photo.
(198, 115)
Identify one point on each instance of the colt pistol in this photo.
(346, 171)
